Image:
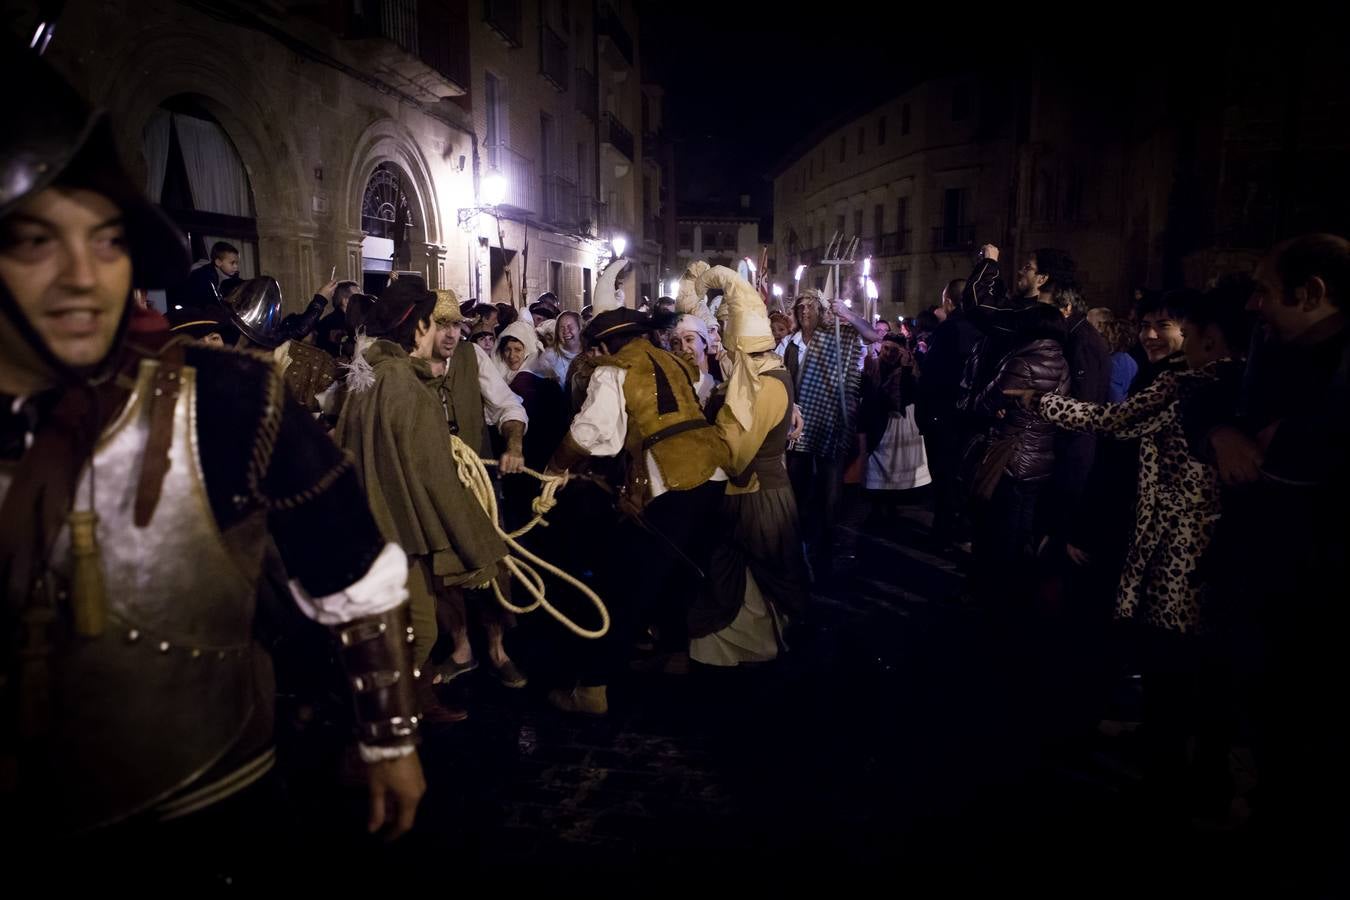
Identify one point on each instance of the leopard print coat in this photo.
(1178, 498)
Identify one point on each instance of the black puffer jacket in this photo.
(999, 318)
(1038, 364)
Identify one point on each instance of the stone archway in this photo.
(166, 63)
(389, 189)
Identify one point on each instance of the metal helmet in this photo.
(53, 136)
(255, 306)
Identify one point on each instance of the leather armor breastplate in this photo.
(147, 707)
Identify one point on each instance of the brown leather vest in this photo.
(665, 419)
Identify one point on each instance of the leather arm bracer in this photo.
(377, 660)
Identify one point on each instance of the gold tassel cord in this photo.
(472, 472)
(88, 597)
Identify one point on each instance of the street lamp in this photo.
(494, 189)
(491, 193)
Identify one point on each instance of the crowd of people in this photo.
(1177, 469)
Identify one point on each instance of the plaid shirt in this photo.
(818, 389)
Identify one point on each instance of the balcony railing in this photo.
(588, 94)
(518, 170)
(409, 37)
(503, 17)
(560, 201)
(620, 138)
(553, 63)
(953, 238)
(894, 244)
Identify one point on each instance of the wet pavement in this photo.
(907, 737)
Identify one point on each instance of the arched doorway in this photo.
(194, 171)
(387, 226)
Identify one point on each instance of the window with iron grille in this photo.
(899, 283)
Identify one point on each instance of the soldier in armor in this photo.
(641, 403)
(139, 477)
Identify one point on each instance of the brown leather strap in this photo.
(164, 391)
(677, 428)
(41, 490)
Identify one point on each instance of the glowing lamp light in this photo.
(751, 264)
(778, 290)
(872, 292)
(494, 189)
(619, 244)
(867, 266)
(801, 270)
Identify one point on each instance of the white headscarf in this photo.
(523, 331)
(745, 331)
(545, 331)
(690, 322)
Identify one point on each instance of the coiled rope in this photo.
(520, 562)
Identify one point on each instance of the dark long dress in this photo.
(761, 535)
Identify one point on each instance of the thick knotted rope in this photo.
(472, 472)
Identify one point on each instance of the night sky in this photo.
(746, 84)
(749, 87)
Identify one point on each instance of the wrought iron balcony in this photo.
(620, 138)
(426, 44)
(953, 238)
